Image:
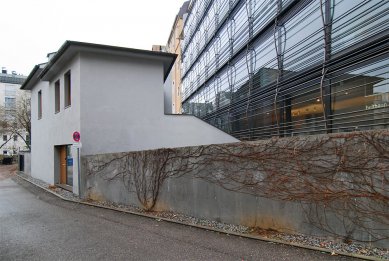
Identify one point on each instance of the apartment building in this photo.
(10, 95)
(273, 68)
(173, 90)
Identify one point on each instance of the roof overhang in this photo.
(33, 78)
(71, 48)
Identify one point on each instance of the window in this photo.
(4, 137)
(15, 137)
(57, 96)
(10, 90)
(360, 97)
(4, 152)
(39, 105)
(68, 90)
(10, 103)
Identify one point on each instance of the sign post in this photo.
(78, 145)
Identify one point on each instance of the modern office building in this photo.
(263, 68)
(10, 94)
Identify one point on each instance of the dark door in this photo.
(21, 162)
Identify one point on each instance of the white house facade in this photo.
(10, 94)
(113, 97)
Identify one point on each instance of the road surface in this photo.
(35, 225)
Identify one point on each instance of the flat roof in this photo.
(70, 48)
(12, 78)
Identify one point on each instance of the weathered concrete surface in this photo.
(35, 225)
(210, 189)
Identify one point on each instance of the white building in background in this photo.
(10, 94)
(113, 97)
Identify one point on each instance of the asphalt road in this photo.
(35, 225)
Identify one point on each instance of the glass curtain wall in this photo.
(263, 68)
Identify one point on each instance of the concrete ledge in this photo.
(207, 228)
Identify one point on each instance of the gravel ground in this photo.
(353, 248)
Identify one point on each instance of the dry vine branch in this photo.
(144, 172)
(345, 175)
(343, 178)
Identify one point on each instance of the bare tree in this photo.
(16, 120)
(22, 119)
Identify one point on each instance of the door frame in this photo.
(60, 162)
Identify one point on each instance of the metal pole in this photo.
(79, 172)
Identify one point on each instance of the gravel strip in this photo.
(353, 248)
(62, 192)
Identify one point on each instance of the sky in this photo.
(30, 29)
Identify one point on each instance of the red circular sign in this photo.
(76, 136)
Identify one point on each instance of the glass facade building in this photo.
(263, 68)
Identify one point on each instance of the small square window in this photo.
(4, 137)
(15, 137)
(5, 152)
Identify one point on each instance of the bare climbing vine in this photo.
(144, 172)
(342, 178)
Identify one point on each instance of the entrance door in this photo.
(69, 166)
(66, 165)
(63, 165)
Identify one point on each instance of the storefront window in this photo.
(360, 98)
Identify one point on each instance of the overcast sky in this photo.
(32, 28)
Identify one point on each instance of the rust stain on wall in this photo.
(265, 222)
(95, 196)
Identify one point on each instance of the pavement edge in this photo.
(207, 228)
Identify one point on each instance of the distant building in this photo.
(9, 97)
(173, 84)
(158, 48)
(100, 91)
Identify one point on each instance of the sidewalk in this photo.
(36, 225)
(312, 243)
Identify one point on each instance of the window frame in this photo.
(40, 112)
(57, 97)
(68, 89)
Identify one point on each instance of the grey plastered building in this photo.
(113, 97)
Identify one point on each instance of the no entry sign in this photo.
(76, 136)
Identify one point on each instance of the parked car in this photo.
(7, 160)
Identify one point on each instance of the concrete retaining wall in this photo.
(200, 195)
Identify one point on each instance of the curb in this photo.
(274, 241)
